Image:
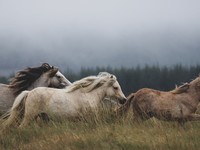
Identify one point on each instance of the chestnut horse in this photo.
(179, 104)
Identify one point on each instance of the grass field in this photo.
(103, 131)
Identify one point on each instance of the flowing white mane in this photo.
(90, 83)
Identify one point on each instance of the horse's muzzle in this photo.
(122, 101)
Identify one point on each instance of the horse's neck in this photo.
(95, 96)
(38, 83)
(194, 94)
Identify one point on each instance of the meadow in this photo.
(103, 130)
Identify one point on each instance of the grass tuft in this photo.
(103, 129)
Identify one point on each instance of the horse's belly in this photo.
(168, 113)
(63, 109)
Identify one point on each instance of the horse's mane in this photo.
(184, 88)
(90, 83)
(181, 89)
(23, 79)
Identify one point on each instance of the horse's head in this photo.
(54, 78)
(113, 88)
(42, 76)
(51, 77)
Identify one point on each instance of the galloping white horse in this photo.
(63, 103)
(28, 79)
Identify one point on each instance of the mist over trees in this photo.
(133, 79)
(161, 78)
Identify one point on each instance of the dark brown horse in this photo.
(179, 104)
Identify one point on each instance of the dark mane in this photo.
(24, 79)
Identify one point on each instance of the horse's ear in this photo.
(46, 65)
(53, 71)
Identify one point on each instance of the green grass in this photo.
(103, 131)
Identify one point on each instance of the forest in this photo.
(132, 79)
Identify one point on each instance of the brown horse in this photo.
(179, 104)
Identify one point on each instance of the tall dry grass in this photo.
(103, 130)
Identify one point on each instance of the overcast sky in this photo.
(89, 33)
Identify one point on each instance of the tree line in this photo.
(133, 79)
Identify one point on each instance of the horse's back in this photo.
(3, 85)
(50, 101)
(146, 93)
(155, 97)
(44, 91)
(145, 98)
(6, 98)
(42, 94)
(4, 88)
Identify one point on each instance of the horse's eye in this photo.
(116, 88)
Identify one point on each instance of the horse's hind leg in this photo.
(140, 116)
(140, 113)
(11, 121)
(26, 121)
(29, 116)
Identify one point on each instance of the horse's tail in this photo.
(16, 112)
(124, 108)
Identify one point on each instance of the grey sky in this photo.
(78, 33)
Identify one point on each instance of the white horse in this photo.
(64, 103)
(28, 79)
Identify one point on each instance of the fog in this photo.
(88, 33)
